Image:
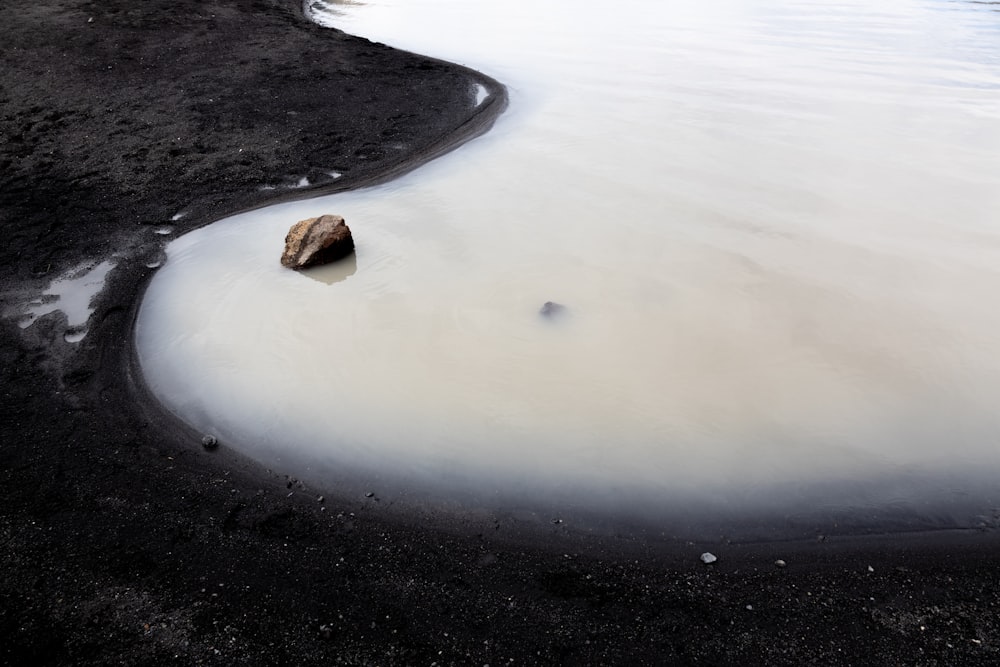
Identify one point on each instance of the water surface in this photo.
(773, 226)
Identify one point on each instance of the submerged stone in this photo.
(551, 309)
(316, 241)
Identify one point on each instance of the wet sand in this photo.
(122, 541)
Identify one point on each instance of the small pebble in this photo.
(370, 494)
(551, 309)
(209, 442)
(320, 499)
(780, 563)
(708, 558)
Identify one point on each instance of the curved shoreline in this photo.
(122, 542)
(477, 123)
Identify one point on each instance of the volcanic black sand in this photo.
(123, 542)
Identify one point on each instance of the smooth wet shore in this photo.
(121, 541)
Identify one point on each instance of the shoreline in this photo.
(478, 122)
(122, 541)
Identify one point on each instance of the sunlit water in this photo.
(773, 226)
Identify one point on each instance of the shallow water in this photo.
(773, 226)
(71, 293)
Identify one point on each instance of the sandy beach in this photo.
(123, 542)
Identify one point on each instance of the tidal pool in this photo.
(774, 227)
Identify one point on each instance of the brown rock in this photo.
(317, 241)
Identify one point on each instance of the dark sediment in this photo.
(123, 541)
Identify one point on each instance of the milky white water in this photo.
(774, 225)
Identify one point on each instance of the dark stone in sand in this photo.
(316, 241)
(112, 523)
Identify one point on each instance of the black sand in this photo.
(123, 542)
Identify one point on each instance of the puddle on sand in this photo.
(481, 93)
(71, 293)
(75, 335)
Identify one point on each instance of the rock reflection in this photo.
(334, 272)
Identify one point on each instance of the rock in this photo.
(209, 442)
(708, 558)
(317, 241)
(551, 309)
(780, 563)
